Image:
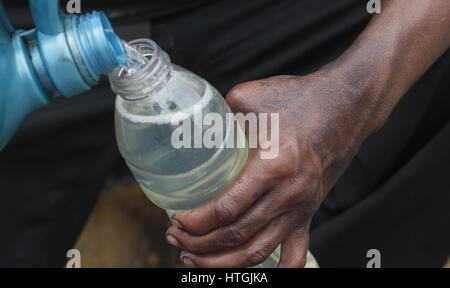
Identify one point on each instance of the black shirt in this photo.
(393, 197)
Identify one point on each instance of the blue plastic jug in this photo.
(64, 55)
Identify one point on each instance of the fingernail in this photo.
(172, 240)
(177, 223)
(188, 262)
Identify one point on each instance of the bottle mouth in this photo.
(137, 83)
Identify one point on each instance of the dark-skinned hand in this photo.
(324, 118)
(272, 201)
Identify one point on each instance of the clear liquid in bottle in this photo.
(151, 93)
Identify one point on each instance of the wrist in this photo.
(368, 88)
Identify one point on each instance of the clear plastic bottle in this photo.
(152, 92)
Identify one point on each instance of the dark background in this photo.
(394, 196)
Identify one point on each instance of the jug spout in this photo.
(75, 49)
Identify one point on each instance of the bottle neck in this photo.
(148, 71)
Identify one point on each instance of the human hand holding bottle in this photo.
(272, 201)
(324, 118)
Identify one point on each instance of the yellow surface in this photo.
(126, 230)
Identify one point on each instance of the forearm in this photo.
(393, 52)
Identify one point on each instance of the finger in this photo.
(240, 195)
(252, 253)
(258, 176)
(281, 199)
(294, 249)
(229, 236)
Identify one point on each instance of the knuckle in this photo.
(223, 212)
(286, 164)
(255, 257)
(237, 95)
(192, 246)
(297, 191)
(234, 236)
